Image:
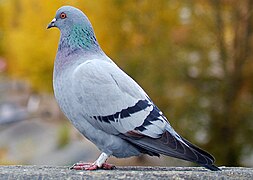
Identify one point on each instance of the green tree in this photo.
(219, 63)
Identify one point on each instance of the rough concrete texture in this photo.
(62, 172)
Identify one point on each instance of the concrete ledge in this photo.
(62, 172)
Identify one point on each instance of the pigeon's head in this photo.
(76, 29)
(68, 17)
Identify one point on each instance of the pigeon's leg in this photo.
(98, 164)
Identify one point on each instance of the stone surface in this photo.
(137, 172)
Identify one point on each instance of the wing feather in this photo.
(112, 98)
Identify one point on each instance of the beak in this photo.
(51, 24)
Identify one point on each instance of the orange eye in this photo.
(63, 15)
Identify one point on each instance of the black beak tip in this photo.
(50, 26)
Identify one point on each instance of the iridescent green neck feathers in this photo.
(79, 38)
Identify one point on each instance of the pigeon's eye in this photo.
(63, 15)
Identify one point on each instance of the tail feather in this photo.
(212, 167)
(168, 145)
(208, 156)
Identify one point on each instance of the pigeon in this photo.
(106, 105)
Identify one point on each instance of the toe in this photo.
(92, 167)
(108, 166)
(81, 166)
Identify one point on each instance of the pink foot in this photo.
(91, 166)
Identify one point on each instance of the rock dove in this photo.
(106, 105)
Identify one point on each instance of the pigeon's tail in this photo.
(169, 145)
(202, 157)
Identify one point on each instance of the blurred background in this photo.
(193, 57)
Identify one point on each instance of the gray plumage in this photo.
(106, 105)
